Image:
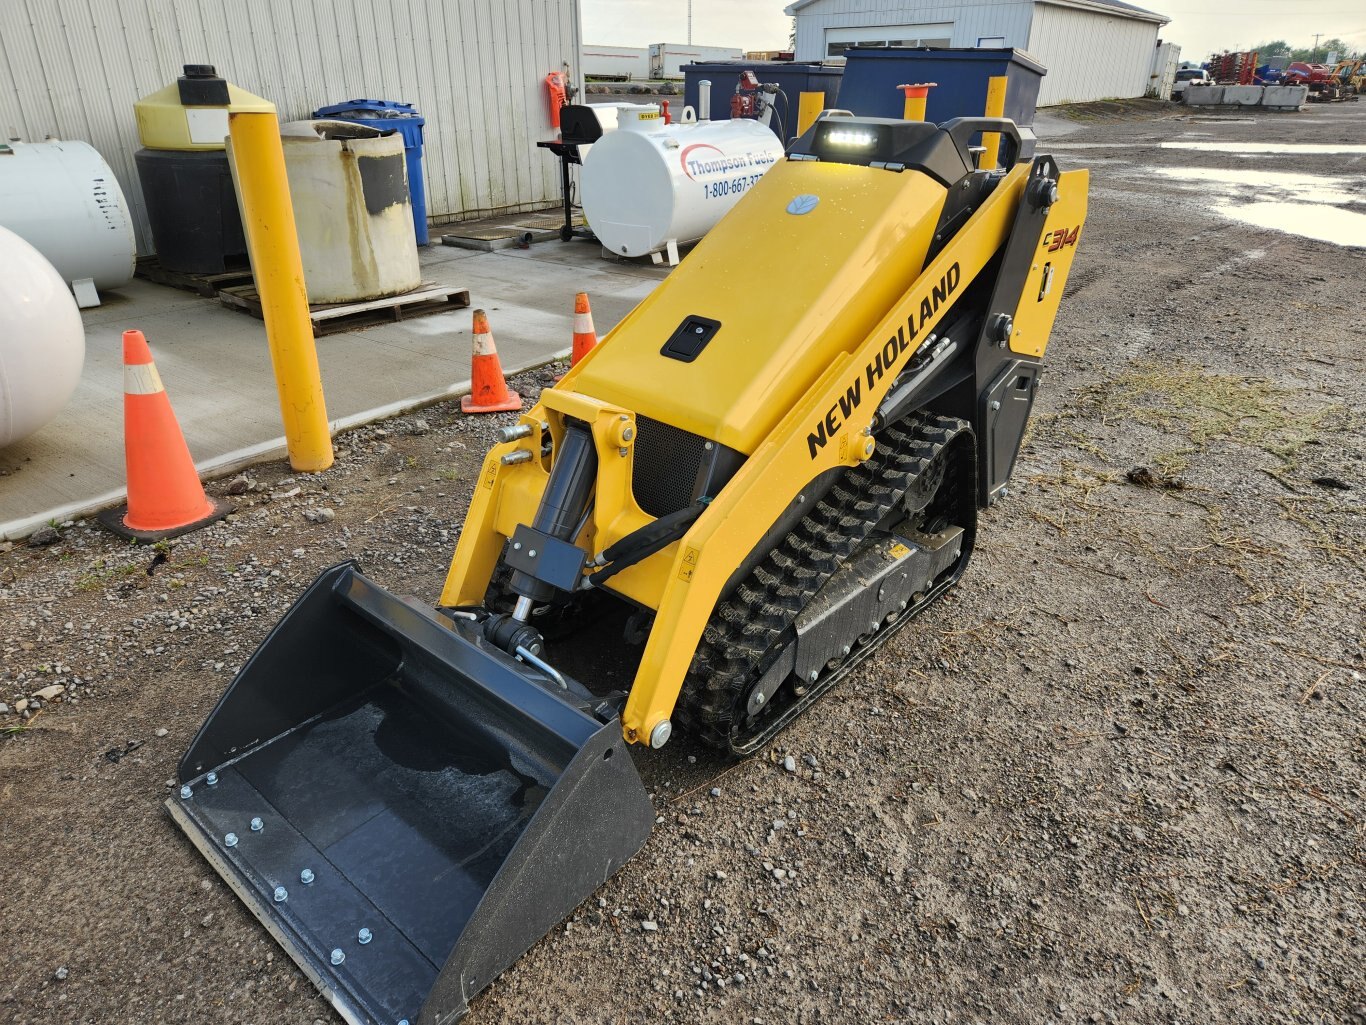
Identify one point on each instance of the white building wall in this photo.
(1090, 56)
(971, 21)
(474, 68)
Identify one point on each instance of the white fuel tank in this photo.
(64, 200)
(648, 184)
(42, 340)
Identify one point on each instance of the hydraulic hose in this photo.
(641, 544)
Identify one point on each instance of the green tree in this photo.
(1275, 46)
(1333, 45)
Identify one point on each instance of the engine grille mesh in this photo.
(666, 463)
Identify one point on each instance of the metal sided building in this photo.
(1093, 49)
(475, 69)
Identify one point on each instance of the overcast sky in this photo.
(1199, 26)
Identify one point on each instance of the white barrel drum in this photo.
(354, 215)
(42, 340)
(649, 184)
(64, 200)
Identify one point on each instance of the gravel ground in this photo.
(1115, 776)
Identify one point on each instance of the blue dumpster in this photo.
(792, 77)
(387, 115)
(872, 74)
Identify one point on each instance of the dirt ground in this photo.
(1117, 775)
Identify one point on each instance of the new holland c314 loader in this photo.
(768, 467)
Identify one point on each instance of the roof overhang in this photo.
(1094, 6)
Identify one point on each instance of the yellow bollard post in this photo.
(916, 97)
(996, 107)
(809, 106)
(268, 216)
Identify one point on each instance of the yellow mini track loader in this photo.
(721, 510)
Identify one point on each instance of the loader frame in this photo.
(831, 428)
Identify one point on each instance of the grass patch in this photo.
(1183, 399)
(105, 573)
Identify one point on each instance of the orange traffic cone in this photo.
(489, 391)
(585, 337)
(165, 497)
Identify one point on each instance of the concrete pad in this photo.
(216, 367)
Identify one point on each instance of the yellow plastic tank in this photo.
(192, 113)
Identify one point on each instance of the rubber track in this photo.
(746, 626)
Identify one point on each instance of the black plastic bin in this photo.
(192, 210)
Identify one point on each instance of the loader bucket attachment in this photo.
(410, 808)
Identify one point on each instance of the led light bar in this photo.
(845, 137)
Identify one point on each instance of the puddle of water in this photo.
(1304, 148)
(1309, 188)
(1325, 223)
(1297, 148)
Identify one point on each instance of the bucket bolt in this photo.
(364, 936)
(230, 840)
(1043, 191)
(306, 876)
(257, 825)
(186, 793)
(659, 736)
(338, 955)
(211, 779)
(1002, 327)
(281, 895)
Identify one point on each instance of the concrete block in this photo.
(1204, 95)
(1285, 97)
(1242, 95)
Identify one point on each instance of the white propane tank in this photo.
(65, 201)
(42, 340)
(649, 184)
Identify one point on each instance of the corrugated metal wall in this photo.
(474, 68)
(1091, 56)
(971, 21)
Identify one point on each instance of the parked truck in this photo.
(615, 63)
(667, 59)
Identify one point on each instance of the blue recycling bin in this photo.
(386, 116)
(872, 74)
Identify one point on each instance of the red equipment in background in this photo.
(1234, 68)
(1302, 73)
(1325, 86)
(557, 91)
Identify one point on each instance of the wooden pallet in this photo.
(330, 318)
(207, 285)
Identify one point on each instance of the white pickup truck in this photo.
(1187, 77)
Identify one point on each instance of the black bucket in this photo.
(403, 805)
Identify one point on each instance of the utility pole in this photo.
(690, 25)
(1313, 56)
